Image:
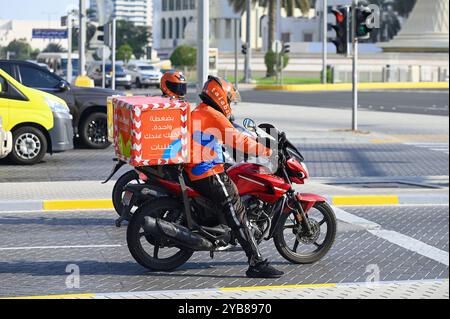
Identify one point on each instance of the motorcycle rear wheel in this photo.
(160, 208)
(321, 250)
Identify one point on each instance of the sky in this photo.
(35, 9)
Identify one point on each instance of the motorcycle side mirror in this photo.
(250, 125)
(63, 86)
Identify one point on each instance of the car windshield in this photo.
(147, 68)
(119, 68)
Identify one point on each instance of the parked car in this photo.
(40, 122)
(5, 140)
(144, 75)
(123, 79)
(87, 105)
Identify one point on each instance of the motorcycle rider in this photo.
(211, 123)
(174, 85)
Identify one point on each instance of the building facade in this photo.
(140, 12)
(11, 30)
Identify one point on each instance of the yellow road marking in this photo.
(78, 204)
(361, 86)
(366, 200)
(74, 296)
(277, 287)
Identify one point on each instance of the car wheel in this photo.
(94, 131)
(127, 87)
(138, 83)
(29, 146)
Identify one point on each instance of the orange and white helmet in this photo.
(219, 94)
(174, 84)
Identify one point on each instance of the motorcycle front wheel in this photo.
(296, 246)
(155, 253)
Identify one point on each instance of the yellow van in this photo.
(40, 123)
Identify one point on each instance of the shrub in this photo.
(184, 56)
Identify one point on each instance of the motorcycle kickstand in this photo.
(125, 216)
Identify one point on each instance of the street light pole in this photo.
(355, 68)
(236, 46)
(248, 56)
(203, 43)
(113, 49)
(82, 39)
(325, 41)
(69, 47)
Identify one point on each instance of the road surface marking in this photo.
(394, 237)
(277, 287)
(58, 247)
(77, 204)
(366, 200)
(438, 147)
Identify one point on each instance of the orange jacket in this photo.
(210, 131)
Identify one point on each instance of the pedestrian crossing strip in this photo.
(438, 147)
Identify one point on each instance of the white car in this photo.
(5, 141)
(144, 75)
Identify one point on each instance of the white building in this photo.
(11, 30)
(138, 11)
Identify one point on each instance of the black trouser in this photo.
(220, 189)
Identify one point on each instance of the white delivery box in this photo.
(5, 141)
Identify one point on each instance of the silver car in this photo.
(144, 75)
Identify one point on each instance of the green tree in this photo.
(184, 56)
(125, 52)
(137, 37)
(54, 47)
(90, 32)
(19, 50)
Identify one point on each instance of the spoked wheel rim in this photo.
(96, 131)
(159, 249)
(298, 242)
(28, 146)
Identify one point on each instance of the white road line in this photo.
(58, 247)
(394, 237)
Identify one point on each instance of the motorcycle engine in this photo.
(257, 216)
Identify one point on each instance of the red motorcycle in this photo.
(165, 232)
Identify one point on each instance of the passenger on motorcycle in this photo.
(211, 129)
(174, 85)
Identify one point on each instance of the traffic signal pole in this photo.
(82, 39)
(325, 41)
(236, 45)
(355, 67)
(113, 49)
(203, 43)
(248, 73)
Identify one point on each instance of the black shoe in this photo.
(263, 270)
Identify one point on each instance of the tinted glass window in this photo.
(6, 67)
(3, 87)
(108, 69)
(35, 78)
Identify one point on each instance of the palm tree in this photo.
(288, 5)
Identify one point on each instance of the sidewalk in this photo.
(55, 196)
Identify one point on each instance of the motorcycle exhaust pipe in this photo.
(179, 234)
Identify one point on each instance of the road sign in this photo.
(49, 34)
(104, 51)
(277, 46)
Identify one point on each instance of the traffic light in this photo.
(341, 27)
(286, 48)
(363, 23)
(101, 30)
(244, 49)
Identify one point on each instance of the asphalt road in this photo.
(39, 251)
(430, 102)
(339, 160)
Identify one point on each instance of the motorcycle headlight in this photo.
(305, 168)
(56, 106)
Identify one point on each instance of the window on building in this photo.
(170, 28)
(286, 37)
(228, 28)
(192, 4)
(184, 27)
(164, 5)
(178, 7)
(177, 28)
(185, 4)
(171, 5)
(308, 37)
(163, 28)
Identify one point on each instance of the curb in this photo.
(348, 86)
(98, 204)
